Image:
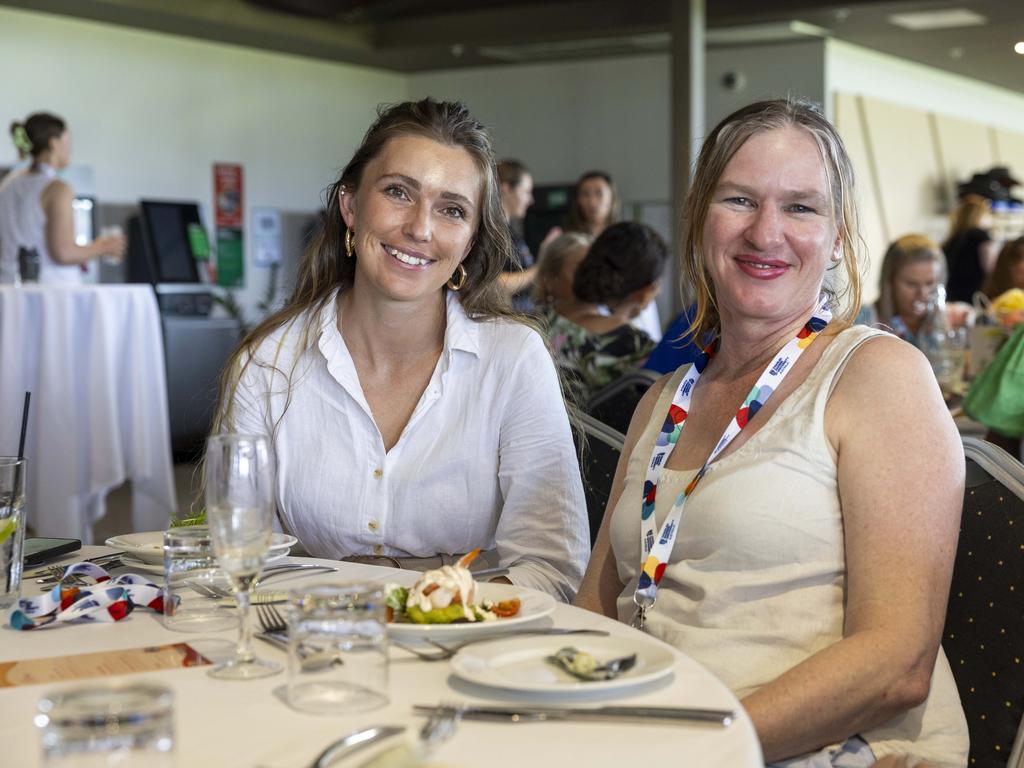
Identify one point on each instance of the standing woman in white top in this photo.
(413, 415)
(804, 557)
(35, 207)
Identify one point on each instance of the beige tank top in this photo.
(757, 576)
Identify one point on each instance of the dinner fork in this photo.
(273, 625)
(445, 652)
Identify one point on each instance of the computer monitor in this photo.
(165, 242)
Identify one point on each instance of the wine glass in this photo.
(239, 512)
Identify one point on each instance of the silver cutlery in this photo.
(50, 574)
(272, 572)
(447, 651)
(583, 666)
(275, 632)
(354, 741)
(650, 715)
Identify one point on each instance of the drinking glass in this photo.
(337, 648)
(113, 230)
(108, 725)
(239, 511)
(189, 561)
(12, 528)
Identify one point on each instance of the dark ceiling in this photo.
(421, 35)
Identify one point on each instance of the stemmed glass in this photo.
(239, 511)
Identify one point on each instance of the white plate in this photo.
(535, 605)
(148, 546)
(132, 565)
(518, 664)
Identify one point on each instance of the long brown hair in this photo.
(718, 149)
(574, 221)
(1001, 280)
(326, 270)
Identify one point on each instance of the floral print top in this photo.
(590, 361)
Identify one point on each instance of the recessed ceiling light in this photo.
(1019, 48)
(944, 19)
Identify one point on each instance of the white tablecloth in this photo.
(92, 357)
(232, 724)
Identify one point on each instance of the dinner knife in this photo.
(721, 717)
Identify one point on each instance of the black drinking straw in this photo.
(24, 426)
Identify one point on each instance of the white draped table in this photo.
(231, 724)
(92, 357)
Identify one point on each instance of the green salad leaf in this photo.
(395, 597)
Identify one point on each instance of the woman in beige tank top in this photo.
(811, 563)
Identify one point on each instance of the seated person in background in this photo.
(412, 417)
(589, 332)
(793, 526)
(912, 270)
(1009, 270)
(677, 347)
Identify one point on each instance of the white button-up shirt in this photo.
(486, 460)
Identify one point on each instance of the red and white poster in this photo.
(227, 195)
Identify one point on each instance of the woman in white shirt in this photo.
(35, 208)
(413, 417)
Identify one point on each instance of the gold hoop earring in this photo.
(461, 272)
(350, 246)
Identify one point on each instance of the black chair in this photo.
(599, 455)
(984, 632)
(614, 404)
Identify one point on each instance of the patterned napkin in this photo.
(109, 600)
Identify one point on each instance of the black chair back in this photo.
(598, 454)
(614, 404)
(984, 632)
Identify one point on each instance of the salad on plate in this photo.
(447, 595)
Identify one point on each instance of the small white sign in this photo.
(266, 236)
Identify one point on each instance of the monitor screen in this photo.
(176, 238)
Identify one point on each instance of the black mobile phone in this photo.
(39, 550)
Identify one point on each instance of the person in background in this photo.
(556, 270)
(912, 270)
(590, 332)
(677, 347)
(1009, 270)
(786, 509)
(516, 185)
(970, 251)
(36, 207)
(594, 204)
(412, 414)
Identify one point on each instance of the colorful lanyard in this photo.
(655, 554)
(109, 600)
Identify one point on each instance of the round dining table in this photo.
(231, 724)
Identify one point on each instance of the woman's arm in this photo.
(57, 200)
(514, 282)
(901, 483)
(601, 586)
(542, 531)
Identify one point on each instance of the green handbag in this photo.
(996, 397)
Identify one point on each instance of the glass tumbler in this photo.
(108, 725)
(190, 568)
(337, 648)
(12, 529)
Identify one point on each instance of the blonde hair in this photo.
(552, 258)
(968, 215)
(718, 149)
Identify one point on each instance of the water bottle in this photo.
(933, 337)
